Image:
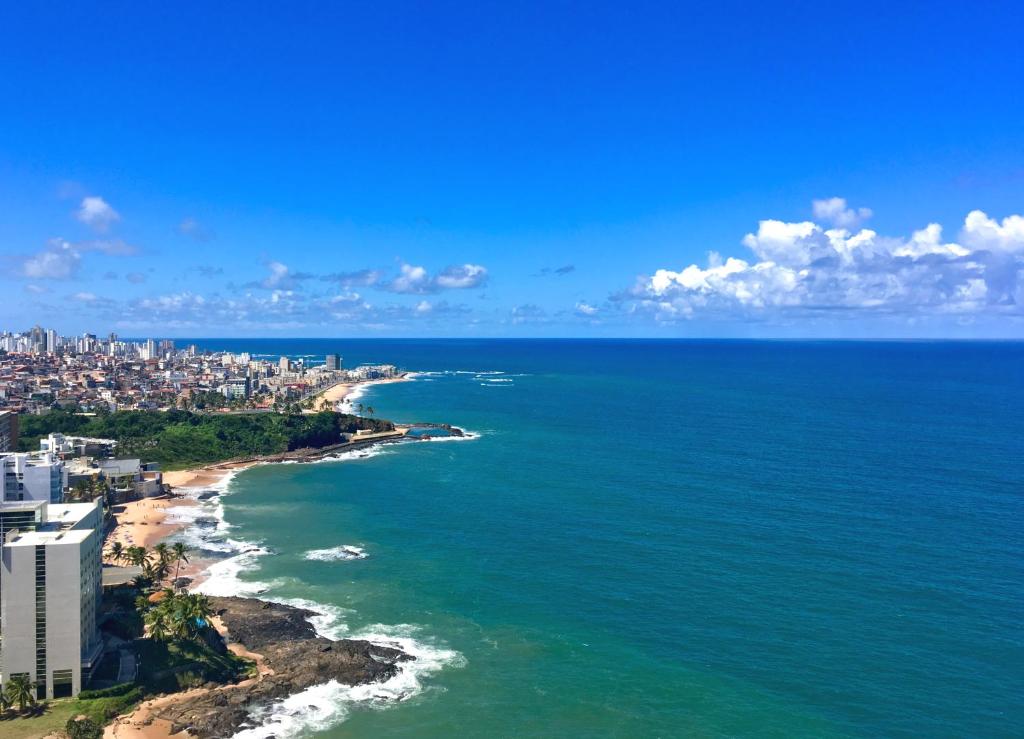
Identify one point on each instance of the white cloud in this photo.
(585, 309)
(984, 233)
(836, 212)
(805, 267)
(85, 297)
(60, 260)
(461, 277)
(278, 275)
(413, 280)
(97, 213)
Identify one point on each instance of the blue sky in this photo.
(497, 169)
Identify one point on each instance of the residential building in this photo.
(50, 593)
(32, 476)
(333, 362)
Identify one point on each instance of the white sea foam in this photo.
(344, 552)
(466, 436)
(354, 454)
(320, 706)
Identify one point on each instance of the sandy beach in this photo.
(337, 393)
(142, 523)
(145, 523)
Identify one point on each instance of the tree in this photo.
(19, 690)
(157, 622)
(117, 552)
(137, 556)
(370, 410)
(179, 552)
(162, 552)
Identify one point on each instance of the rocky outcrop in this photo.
(293, 658)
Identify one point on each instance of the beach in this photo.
(149, 521)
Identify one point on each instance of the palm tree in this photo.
(19, 690)
(162, 552)
(157, 622)
(137, 556)
(117, 552)
(5, 703)
(370, 410)
(180, 554)
(198, 607)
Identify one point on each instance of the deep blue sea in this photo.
(662, 538)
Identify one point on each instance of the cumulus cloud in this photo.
(60, 260)
(280, 278)
(97, 213)
(806, 267)
(836, 212)
(413, 280)
(585, 309)
(84, 297)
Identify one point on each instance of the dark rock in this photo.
(298, 658)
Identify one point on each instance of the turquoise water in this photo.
(667, 539)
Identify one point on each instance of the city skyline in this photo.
(322, 171)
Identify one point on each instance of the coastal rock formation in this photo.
(291, 658)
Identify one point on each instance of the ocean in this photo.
(657, 539)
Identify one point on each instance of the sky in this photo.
(848, 170)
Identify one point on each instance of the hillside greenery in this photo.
(181, 438)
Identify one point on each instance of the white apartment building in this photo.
(32, 476)
(50, 592)
(77, 446)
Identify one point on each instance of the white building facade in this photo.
(50, 594)
(38, 476)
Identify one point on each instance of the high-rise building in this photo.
(8, 431)
(333, 362)
(150, 351)
(285, 364)
(50, 593)
(32, 476)
(51, 341)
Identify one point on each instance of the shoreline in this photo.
(149, 521)
(145, 522)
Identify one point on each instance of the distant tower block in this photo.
(334, 361)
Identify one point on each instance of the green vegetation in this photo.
(182, 651)
(180, 438)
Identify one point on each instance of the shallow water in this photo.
(662, 539)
